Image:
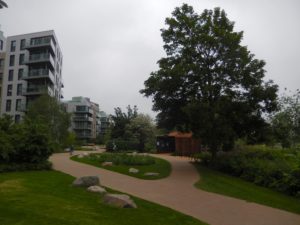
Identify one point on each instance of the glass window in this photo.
(9, 90)
(20, 74)
(13, 46)
(1, 63)
(17, 118)
(18, 105)
(19, 89)
(21, 59)
(12, 60)
(8, 105)
(10, 75)
(1, 45)
(23, 44)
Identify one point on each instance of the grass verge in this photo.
(160, 166)
(217, 182)
(47, 198)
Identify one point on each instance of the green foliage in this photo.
(142, 129)
(121, 119)
(209, 83)
(286, 123)
(48, 111)
(122, 163)
(23, 145)
(131, 131)
(273, 168)
(123, 159)
(121, 145)
(11, 167)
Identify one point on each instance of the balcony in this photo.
(87, 110)
(38, 90)
(43, 43)
(82, 118)
(35, 74)
(41, 59)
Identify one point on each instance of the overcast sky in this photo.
(110, 47)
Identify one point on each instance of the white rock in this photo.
(133, 170)
(107, 164)
(97, 189)
(86, 181)
(119, 200)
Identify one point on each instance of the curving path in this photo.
(177, 192)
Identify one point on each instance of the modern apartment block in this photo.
(84, 117)
(2, 60)
(87, 120)
(33, 67)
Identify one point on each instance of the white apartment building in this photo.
(33, 66)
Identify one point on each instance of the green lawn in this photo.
(160, 166)
(213, 181)
(47, 198)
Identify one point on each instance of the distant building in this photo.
(86, 118)
(33, 66)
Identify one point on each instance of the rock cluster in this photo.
(93, 185)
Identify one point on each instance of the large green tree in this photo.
(143, 130)
(120, 120)
(286, 122)
(208, 82)
(48, 111)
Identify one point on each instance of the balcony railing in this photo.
(40, 58)
(38, 74)
(83, 118)
(38, 90)
(46, 42)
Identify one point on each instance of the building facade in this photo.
(33, 67)
(2, 61)
(87, 121)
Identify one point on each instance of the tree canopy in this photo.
(209, 83)
(48, 111)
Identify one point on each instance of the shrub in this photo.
(11, 167)
(273, 168)
(121, 145)
(123, 159)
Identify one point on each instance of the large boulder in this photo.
(97, 189)
(86, 181)
(119, 200)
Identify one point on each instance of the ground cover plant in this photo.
(46, 197)
(217, 182)
(275, 168)
(122, 162)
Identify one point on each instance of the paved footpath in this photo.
(177, 192)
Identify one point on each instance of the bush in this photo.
(12, 167)
(23, 146)
(121, 145)
(273, 168)
(123, 159)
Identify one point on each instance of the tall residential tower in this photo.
(33, 67)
